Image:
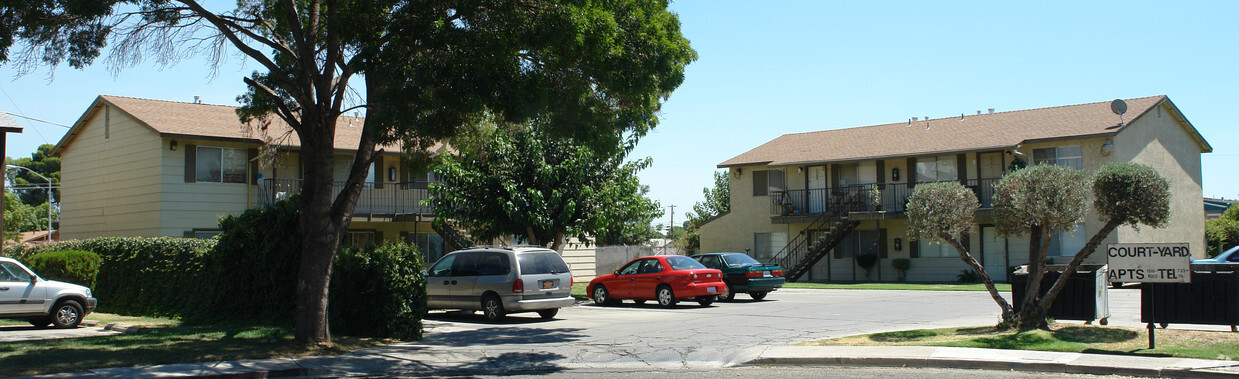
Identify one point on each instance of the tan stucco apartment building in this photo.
(806, 198)
(139, 167)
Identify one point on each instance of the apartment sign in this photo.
(1149, 262)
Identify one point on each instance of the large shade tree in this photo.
(1047, 199)
(525, 183)
(590, 69)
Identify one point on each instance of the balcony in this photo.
(382, 199)
(893, 198)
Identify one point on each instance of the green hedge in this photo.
(73, 266)
(248, 275)
(378, 292)
(148, 276)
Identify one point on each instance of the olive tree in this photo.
(943, 212)
(1046, 199)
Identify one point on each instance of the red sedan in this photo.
(666, 278)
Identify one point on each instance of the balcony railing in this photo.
(893, 198)
(375, 198)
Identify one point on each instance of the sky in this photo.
(775, 67)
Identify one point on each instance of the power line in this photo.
(45, 122)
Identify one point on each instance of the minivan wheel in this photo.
(67, 314)
(665, 296)
(548, 313)
(492, 308)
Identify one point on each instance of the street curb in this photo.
(1050, 367)
(125, 329)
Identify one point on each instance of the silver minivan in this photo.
(500, 280)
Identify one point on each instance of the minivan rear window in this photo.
(541, 263)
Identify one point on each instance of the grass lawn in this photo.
(1002, 287)
(161, 341)
(1063, 338)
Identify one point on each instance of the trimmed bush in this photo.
(73, 266)
(252, 272)
(378, 292)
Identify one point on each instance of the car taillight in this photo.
(777, 272)
(754, 274)
(518, 286)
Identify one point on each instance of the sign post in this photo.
(1149, 263)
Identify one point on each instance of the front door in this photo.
(994, 254)
(647, 279)
(817, 189)
(625, 279)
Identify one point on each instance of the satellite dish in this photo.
(1118, 106)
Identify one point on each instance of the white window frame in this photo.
(1067, 156)
(226, 174)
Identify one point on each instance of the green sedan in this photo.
(743, 274)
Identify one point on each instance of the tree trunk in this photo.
(1008, 316)
(1031, 316)
(320, 237)
(1076, 262)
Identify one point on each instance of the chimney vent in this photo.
(978, 112)
(915, 119)
(991, 110)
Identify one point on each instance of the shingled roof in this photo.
(206, 121)
(992, 131)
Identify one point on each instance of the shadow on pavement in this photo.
(502, 336)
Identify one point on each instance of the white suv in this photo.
(26, 296)
(500, 280)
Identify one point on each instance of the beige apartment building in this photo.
(806, 200)
(140, 167)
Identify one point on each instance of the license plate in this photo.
(548, 284)
(711, 289)
(765, 273)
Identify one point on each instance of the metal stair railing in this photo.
(799, 255)
(452, 237)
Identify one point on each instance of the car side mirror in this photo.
(617, 273)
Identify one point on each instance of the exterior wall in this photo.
(1159, 139)
(196, 205)
(749, 214)
(1093, 159)
(111, 179)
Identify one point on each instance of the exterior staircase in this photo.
(453, 239)
(802, 252)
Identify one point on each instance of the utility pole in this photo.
(671, 230)
(7, 125)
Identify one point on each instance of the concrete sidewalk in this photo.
(371, 362)
(994, 359)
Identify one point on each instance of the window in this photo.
(361, 238)
(10, 272)
(862, 241)
(444, 267)
(430, 244)
(220, 165)
(936, 169)
(737, 260)
(765, 181)
(683, 263)
(1067, 244)
(204, 233)
(928, 249)
(1069, 156)
(765, 245)
(541, 263)
(493, 264)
